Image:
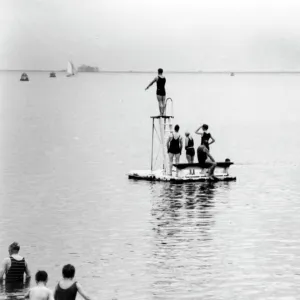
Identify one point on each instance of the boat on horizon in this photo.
(24, 77)
(71, 70)
(52, 75)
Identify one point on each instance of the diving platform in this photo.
(200, 173)
(161, 117)
(182, 172)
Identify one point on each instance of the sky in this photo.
(192, 35)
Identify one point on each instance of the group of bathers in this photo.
(175, 146)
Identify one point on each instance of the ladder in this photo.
(168, 124)
(168, 129)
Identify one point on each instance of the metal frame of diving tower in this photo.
(166, 127)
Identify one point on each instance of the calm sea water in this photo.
(67, 143)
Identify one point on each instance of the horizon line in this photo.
(147, 71)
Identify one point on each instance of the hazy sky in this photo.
(139, 34)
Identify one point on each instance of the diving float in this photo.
(180, 172)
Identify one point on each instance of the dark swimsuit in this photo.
(202, 156)
(16, 271)
(160, 83)
(66, 294)
(205, 138)
(174, 146)
(190, 147)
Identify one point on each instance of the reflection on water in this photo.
(180, 207)
(14, 290)
(183, 217)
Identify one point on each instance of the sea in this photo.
(67, 144)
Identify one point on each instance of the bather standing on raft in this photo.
(205, 136)
(190, 150)
(174, 146)
(160, 91)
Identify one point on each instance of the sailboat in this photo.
(71, 70)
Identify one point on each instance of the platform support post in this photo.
(152, 145)
(163, 145)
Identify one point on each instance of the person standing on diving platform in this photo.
(160, 90)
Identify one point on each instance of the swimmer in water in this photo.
(40, 291)
(67, 287)
(15, 266)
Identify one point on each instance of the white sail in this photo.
(74, 71)
(71, 70)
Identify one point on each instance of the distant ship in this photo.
(24, 77)
(71, 70)
(232, 74)
(52, 75)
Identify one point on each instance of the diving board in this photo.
(222, 164)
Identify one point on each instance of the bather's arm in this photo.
(154, 80)
(197, 131)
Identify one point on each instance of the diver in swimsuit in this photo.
(160, 91)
